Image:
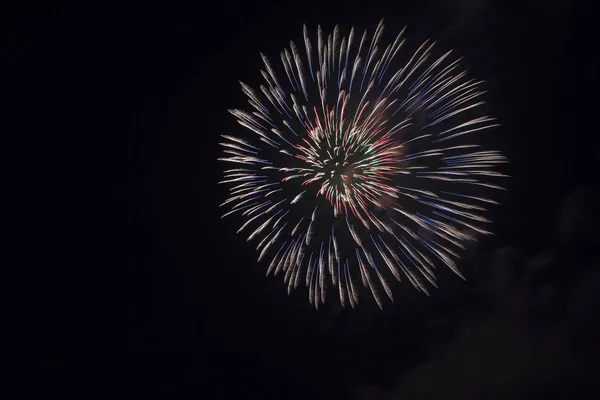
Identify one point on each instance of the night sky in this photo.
(202, 318)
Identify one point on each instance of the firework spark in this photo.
(357, 171)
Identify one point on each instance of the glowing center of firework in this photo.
(353, 167)
(338, 167)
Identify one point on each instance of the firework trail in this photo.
(354, 171)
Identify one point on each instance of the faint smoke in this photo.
(576, 222)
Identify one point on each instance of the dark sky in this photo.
(204, 321)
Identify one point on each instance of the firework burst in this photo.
(356, 172)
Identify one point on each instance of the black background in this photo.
(202, 317)
(203, 320)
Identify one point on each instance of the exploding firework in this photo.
(359, 169)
